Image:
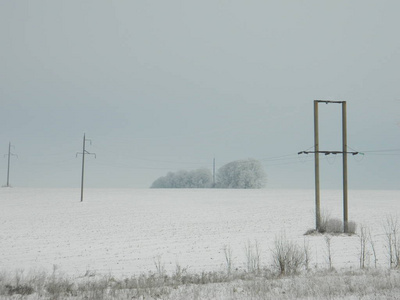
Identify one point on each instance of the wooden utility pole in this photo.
(344, 150)
(9, 163)
(214, 172)
(8, 168)
(316, 155)
(84, 152)
(83, 165)
(316, 160)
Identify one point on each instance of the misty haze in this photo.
(168, 149)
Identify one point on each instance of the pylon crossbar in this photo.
(330, 101)
(329, 152)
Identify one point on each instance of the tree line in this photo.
(239, 174)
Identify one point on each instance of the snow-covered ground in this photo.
(125, 232)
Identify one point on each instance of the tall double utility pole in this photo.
(84, 152)
(9, 162)
(344, 152)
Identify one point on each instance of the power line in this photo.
(289, 163)
(377, 151)
(276, 158)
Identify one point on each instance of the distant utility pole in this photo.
(84, 152)
(214, 172)
(9, 162)
(316, 157)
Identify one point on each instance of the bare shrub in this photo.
(329, 251)
(334, 225)
(58, 286)
(253, 257)
(372, 244)
(392, 234)
(351, 227)
(323, 222)
(179, 275)
(228, 259)
(363, 238)
(18, 286)
(287, 256)
(21, 289)
(307, 254)
(159, 264)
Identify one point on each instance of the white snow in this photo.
(123, 232)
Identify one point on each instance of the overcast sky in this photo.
(161, 86)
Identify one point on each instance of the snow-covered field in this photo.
(124, 232)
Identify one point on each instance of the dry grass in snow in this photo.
(360, 284)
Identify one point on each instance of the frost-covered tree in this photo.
(201, 178)
(242, 174)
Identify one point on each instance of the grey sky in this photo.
(165, 85)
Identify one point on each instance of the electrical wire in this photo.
(379, 151)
